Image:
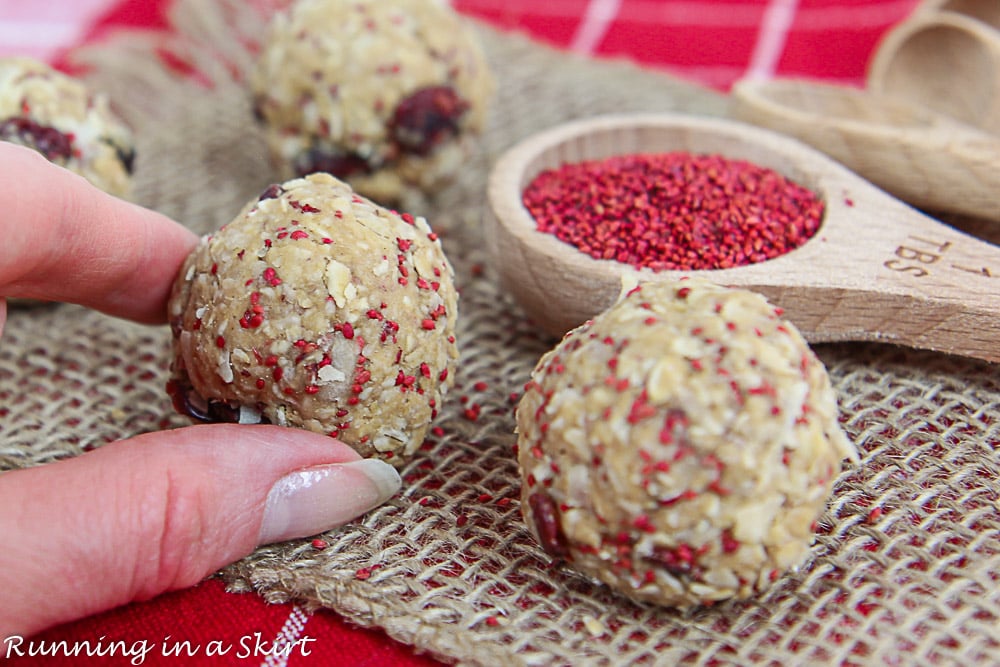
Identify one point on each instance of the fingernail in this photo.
(310, 501)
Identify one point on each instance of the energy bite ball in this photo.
(388, 96)
(56, 115)
(680, 446)
(318, 309)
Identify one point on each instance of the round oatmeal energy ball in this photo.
(56, 115)
(389, 96)
(319, 309)
(681, 445)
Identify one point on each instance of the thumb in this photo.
(163, 510)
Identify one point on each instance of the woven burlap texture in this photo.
(904, 569)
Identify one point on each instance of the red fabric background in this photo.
(711, 42)
(244, 625)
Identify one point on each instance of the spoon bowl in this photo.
(945, 61)
(877, 269)
(987, 11)
(924, 158)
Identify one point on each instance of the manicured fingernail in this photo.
(310, 501)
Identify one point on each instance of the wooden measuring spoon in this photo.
(924, 158)
(987, 11)
(876, 269)
(945, 61)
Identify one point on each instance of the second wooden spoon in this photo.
(924, 158)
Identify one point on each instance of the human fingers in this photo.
(163, 510)
(65, 240)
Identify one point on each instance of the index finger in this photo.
(66, 240)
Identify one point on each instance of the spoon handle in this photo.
(898, 277)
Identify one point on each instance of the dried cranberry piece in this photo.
(48, 141)
(341, 165)
(176, 326)
(273, 191)
(126, 156)
(547, 525)
(427, 118)
(680, 561)
(257, 108)
(188, 402)
(224, 412)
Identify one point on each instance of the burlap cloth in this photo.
(905, 567)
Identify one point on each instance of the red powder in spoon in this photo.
(671, 211)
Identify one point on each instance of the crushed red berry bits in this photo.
(674, 211)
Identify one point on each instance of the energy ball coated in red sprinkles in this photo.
(680, 446)
(388, 96)
(674, 211)
(273, 323)
(56, 115)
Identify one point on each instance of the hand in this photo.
(159, 511)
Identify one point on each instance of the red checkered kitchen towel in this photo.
(714, 42)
